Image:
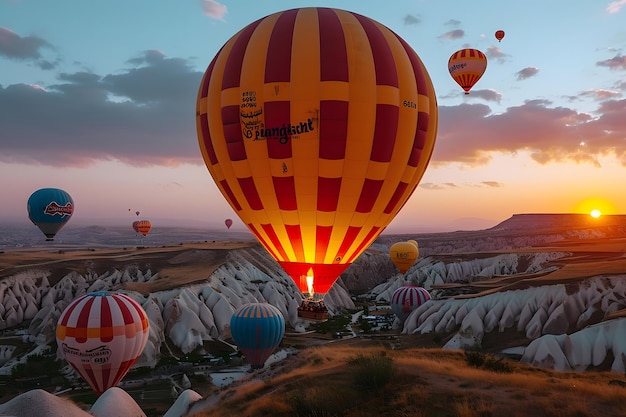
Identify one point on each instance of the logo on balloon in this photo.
(98, 355)
(54, 208)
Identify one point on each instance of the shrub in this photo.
(371, 372)
(487, 362)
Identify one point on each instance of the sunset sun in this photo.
(595, 207)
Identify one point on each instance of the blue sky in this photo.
(98, 98)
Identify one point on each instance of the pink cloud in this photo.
(470, 134)
(213, 9)
(453, 34)
(615, 6)
(601, 94)
(527, 73)
(617, 62)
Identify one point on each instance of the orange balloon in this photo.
(144, 227)
(466, 67)
(403, 255)
(316, 125)
(499, 35)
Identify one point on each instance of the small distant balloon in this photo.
(137, 213)
(50, 209)
(257, 329)
(101, 335)
(228, 223)
(466, 67)
(136, 226)
(403, 255)
(499, 35)
(144, 227)
(406, 299)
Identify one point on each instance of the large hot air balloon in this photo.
(466, 66)
(406, 299)
(144, 227)
(499, 35)
(316, 124)
(228, 223)
(49, 209)
(101, 335)
(257, 329)
(403, 255)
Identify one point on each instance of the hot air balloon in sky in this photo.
(257, 329)
(499, 35)
(136, 226)
(316, 124)
(406, 299)
(466, 66)
(228, 223)
(403, 255)
(101, 335)
(144, 227)
(49, 209)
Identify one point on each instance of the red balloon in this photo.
(499, 35)
(228, 223)
(102, 335)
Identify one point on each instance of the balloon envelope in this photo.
(316, 125)
(228, 223)
(499, 35)
(466, 66)
(101, 335)
(257, 329)
(403, 255)
(144, 227)
(406, 299)
(49, 209)
(136, 225)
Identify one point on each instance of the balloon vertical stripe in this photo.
(333, 55)
(278, 64)
(317, 125)
(332, 140)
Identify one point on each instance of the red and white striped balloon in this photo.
(101, 335)
(406, 299)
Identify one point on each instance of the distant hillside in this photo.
(558, 221)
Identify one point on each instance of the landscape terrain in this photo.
(526, 318)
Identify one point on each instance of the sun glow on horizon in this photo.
(596, 207)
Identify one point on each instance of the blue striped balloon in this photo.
(406, 299)
(49, 209)
(257, 329)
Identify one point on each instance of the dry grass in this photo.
(426, 382)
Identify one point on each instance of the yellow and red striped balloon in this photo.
(317, 125)
(466, 67)
(144, 227)
(101, 335)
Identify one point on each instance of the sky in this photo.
(98, 99)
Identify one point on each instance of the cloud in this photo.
(601, 94)
(487, 95)
(410, 19)
(142, 116)
(453, 34)
(453, 23)
(615, 6)
(618, 62)
(527, 73)
(471, 135)
(213, 9)
(29, 48)
(494, 53)
(492, 184)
